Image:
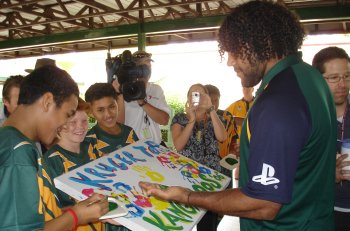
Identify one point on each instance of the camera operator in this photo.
(146, 114)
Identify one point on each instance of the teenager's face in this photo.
(76, 128)
(11, 104)
(340, 90)
(105, 111)
(250, 74)
(54, 117)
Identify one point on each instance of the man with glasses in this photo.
(334, 64)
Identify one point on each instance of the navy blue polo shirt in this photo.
(287, 148)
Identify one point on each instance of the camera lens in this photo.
(134, 90)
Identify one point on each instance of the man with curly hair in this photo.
(288, 138)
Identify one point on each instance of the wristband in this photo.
(143, 103)
(75, 217)
(212, 108)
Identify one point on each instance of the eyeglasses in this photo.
(336, 77)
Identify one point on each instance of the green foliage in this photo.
(176, 104)
(92, 122)
(165, 136)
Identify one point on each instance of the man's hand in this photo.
(341, 174)
(173, 193)
(116, 86)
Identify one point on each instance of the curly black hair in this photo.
(47, 79)
(259, 31)
(326, 55)
(98, 91)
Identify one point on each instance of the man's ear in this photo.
(47, 101)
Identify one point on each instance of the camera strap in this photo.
(146, 120)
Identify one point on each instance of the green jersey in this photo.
(26, 190)
(106, 143)
(59, 161)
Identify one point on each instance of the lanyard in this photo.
(343, 123)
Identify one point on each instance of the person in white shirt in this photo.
(145, 115)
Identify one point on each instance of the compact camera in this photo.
(195, 98)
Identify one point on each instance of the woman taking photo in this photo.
(196, 134)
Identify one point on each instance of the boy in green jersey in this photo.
(107, 135)
(48, 97)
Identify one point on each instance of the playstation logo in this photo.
(266, 177)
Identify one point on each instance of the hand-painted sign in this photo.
(118, 173)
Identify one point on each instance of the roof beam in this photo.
(189, 24)
(112, 32)
(21, 3)
(130, 8)
(324, 13)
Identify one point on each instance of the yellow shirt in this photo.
(239, 109)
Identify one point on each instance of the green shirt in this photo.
(59, 161)
(27, 195)
(288, 143)
(106, 143)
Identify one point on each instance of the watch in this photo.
(143, 103)
(212, 108)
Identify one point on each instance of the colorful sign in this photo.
(118, 174)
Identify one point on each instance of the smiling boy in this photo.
(110, 134)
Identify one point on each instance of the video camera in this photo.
(130, 76)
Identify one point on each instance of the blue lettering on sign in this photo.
(132, 158)
(153, 147)
(134, 211)
(105, 167)
(98, 174)
(123, 159)
(143, 150)
(121, 166)
(118, 186)
(82, 179)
